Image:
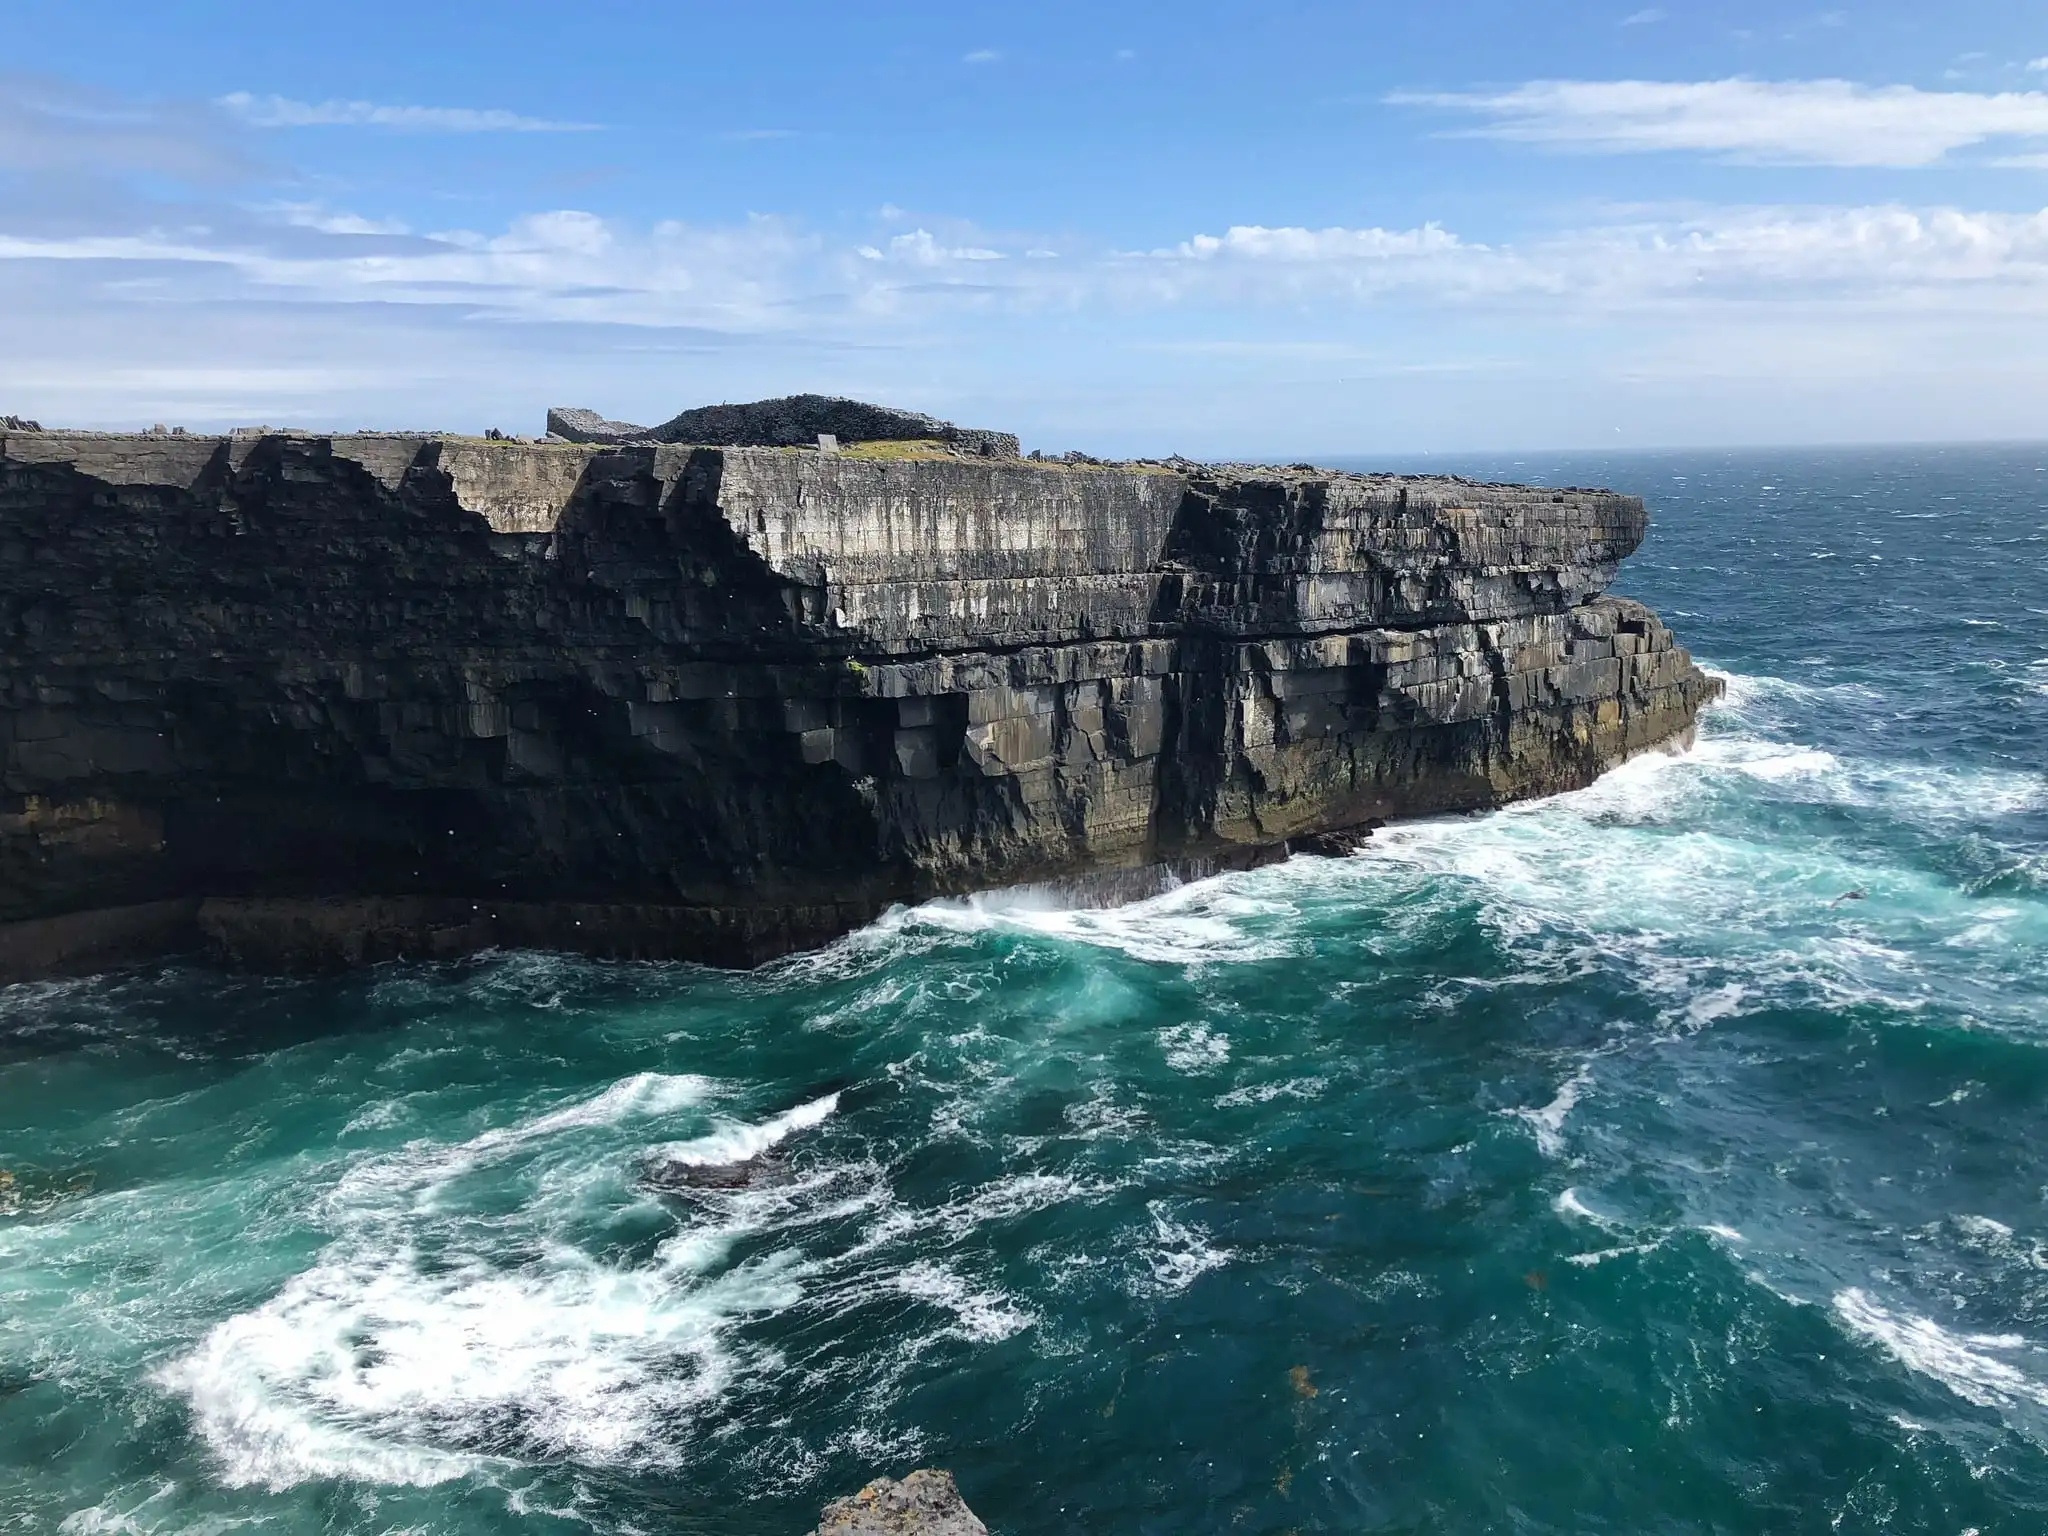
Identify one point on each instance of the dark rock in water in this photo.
(1335, 843)
(673, 1176)
(923, 1503)
(31, 1192)
(305, 702)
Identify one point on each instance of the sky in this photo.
(1285, 228)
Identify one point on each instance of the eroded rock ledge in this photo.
(316, 700)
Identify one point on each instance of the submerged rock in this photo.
(311, 701)
(922, 1503)
(676, 1176)
(31, 1192)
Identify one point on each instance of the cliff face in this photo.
(310, 700)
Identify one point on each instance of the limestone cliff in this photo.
(313, 700)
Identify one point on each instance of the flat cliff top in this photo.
(146, 458)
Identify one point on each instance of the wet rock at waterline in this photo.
(672, 1176)
(923, 1503)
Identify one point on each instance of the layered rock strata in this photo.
(310, 700)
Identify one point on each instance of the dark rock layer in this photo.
(312, 701)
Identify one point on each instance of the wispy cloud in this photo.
(981, 56)
(314, 216)
(50, 127)
(766, 275)
(2038, 64)
(1642, 18)
(123, 305)
(341, 318)
(1795, 122)
(283, 112)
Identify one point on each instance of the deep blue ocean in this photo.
(1667, 1157)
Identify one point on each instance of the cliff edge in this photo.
(317, 700)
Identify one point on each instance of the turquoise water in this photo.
(1592, 1166)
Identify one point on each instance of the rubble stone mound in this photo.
(788, 422)
(573, 424)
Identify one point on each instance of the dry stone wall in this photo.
(308, 700)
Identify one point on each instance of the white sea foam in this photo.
(1180, 1252)
(1204, 921)
(414, 1351)
(376, 1365)
(737, 1142)
(1265, 1093)
(1969, 1365)
(1983, 1228)
(1746, 692)
(1568, 1203)
(1194, 1047)
(121, 1514)
(1709, 923)
(423, 1166)
(1789, 763)
(983, 1316)
(1602, 1255)
(1548, 1122)
(641, 1096)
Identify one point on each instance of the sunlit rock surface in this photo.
(319, 700)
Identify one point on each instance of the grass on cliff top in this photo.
(896, 448)
(907, 449)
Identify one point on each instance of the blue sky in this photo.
(1273, 229)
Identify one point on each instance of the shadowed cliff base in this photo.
(307, 701)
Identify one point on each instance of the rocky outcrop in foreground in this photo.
(318, 700)
(924, 1503)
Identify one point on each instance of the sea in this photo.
(1666, 1157)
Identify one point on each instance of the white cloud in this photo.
(283, 112)
(981, 56)
(921, 248)
(120, 307)
(2040, 63)
(1258, 243)
(769, 276)
(1844, 255)
(1642, 18)
(314, 216)
(1795, 122)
